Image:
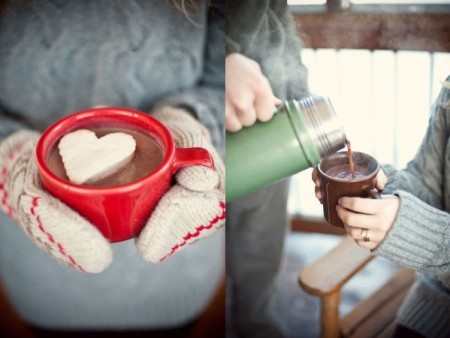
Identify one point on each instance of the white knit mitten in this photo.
(195, 206)
(50, 224)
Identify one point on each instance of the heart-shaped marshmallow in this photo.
(87, 158)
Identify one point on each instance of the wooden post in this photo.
(330, 327)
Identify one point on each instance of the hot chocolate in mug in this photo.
(337, 180)
(120, 204)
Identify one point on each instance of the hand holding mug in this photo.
(119, 212)
(367, 220)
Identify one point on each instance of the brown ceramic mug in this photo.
(337, 181)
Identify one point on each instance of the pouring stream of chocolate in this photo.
(350, 157)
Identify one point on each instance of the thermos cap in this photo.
(322, 124)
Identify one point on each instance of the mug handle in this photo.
(185, 157)
(374, 193)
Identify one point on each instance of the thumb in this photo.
(381, 180)
(197, 178)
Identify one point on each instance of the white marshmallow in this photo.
(87, 158)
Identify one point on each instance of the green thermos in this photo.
(298, 136)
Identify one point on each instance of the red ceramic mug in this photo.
(119, 211)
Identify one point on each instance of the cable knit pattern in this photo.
(420, 235)
(86, 53)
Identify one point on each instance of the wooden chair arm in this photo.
(330, 272)
(327, 275)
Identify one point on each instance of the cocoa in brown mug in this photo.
(345, 172)
(337, 180)
(148, 156)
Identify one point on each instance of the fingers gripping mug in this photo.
(337, 180)
(119, 207)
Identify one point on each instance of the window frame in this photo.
(339, 25)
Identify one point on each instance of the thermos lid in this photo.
(322, 124)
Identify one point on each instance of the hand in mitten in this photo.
(50, 224)
(194, 207)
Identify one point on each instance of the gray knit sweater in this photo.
(420, 236)
(58, 57)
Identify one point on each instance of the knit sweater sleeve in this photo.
(420, 235)
(207, 100)
(244, 19)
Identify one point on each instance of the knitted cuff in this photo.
(417, 238)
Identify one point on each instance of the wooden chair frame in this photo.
(374, 316)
